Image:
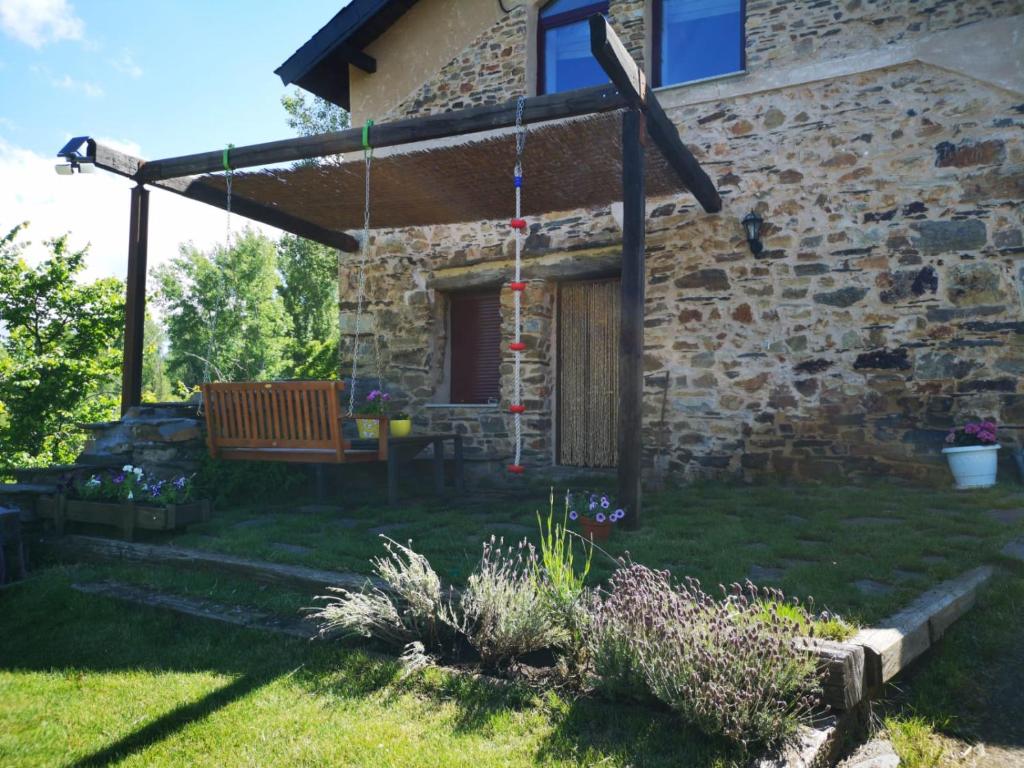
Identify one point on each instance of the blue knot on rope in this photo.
(519, 181)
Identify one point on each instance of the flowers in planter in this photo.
(596, 507)
(132, 484)
(972, 433)
(376, 403)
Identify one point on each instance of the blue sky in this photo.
(156, 77)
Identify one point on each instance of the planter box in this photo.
(973, 466)
(126, 515)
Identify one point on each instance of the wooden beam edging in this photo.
(195, 189)
(584, 101)
(311, 579)
(629, 78)
(855, 670)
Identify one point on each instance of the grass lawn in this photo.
(88, 681)
(860, 551)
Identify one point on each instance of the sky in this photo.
(155, 78)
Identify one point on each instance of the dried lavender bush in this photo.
(414, 609)
(729, 667)
(505, 612)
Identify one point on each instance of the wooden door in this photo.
(588, 373)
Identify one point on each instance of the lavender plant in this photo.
(504, 609)
(729, 667)
(412, 609)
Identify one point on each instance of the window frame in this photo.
(554, 22)
(453, 298)
(657, 55)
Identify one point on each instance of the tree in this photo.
(310, 296)
(61, 352)
(307, 118)
(224, 317)
(156, 386)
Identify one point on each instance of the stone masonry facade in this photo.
(890, 304)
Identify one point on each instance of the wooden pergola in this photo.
(642, 118)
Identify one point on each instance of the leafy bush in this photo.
(233, 483)
(728, 667)
(413, 610)
(504, 608)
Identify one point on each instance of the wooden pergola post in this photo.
(135, 299)
(631, 316)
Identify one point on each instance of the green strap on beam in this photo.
(366, 135)
(227, 165)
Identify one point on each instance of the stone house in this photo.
(879, 140)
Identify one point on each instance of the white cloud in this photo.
(37, 22)
(94, 209)
(7, 124)
(67, 82)
(126, 65)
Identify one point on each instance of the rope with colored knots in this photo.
(518, 225)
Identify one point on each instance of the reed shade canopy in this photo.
(569, 164)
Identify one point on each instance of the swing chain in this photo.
(361, 279)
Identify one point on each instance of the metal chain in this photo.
(227, 245)
(361, 288)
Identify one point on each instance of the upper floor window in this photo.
(564, 61)
(697, 39)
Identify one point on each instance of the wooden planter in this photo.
(126, 515)
(594, 530)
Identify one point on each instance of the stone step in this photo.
(26, 489)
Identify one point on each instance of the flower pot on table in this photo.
(369, 429)
(594, 530)
(401, 427)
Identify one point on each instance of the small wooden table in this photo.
(402, 450)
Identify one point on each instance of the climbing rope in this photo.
(518, 225)
(361, 278)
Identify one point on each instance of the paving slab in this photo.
(292, 549)
(386, 529)
(320, 509)
(872, 587)
(253, 522)
(933, 559)
(868, 520)
(759, 573)
(1006, 516)
(795, 520)
(877, 753)
(1014, 549)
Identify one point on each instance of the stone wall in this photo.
(890, 303)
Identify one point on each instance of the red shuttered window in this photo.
(475, 327)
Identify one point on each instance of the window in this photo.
(475, 332)
(697, 39)
(564, 61)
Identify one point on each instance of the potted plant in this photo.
(971, 451)
(376, 405)
(128, 499)
(595, 512)
(400, 425)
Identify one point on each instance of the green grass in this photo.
(906, 537)
(88, 681)
(969, 688)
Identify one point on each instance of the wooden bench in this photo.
(298, 421)
(301, 421)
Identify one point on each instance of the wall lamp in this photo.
(75, 160)
(752, 224)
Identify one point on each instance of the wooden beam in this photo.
(629, 78)
(602, 98)
(135, 299)
(631, 317)
(358, 59)
(195, 189)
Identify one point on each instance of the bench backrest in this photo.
(281, 414)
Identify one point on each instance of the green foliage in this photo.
(309, 292)
(317, 115)
(225, 319)
(156, 385)
(61, 352)
(247, 482)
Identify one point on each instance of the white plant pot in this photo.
(973, 466)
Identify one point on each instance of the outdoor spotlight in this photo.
(752, 224)
(64, 169)
(84, 166)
